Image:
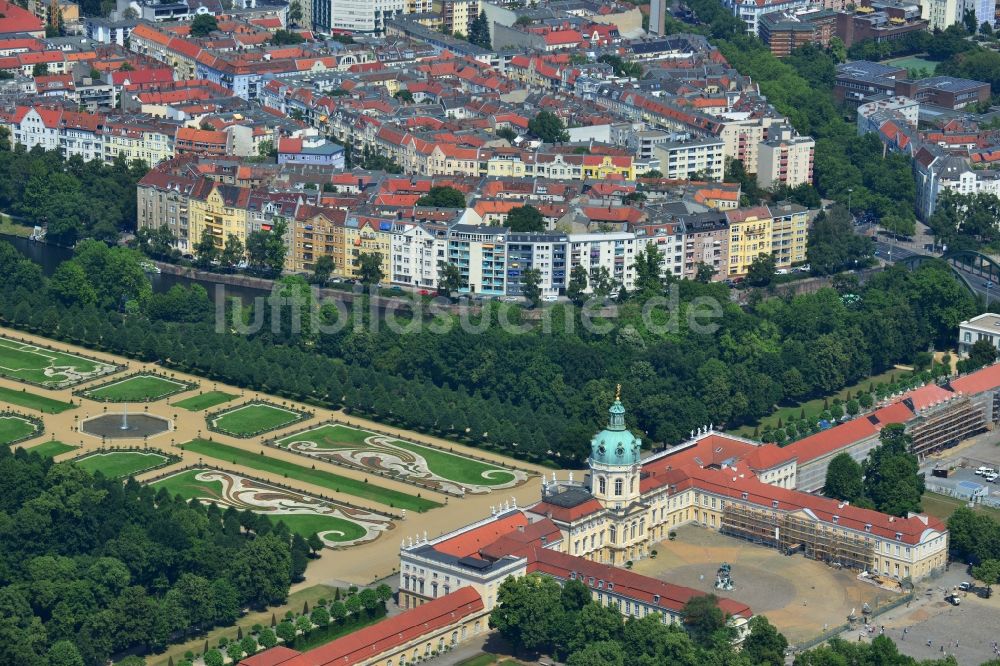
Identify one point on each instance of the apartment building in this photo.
(456, 15)
(162, 200)
(785, 159)
(218, 209)
(789, 234)
(750, 235)
(699, 159)
(345, 16)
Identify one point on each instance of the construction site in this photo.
(791, 534)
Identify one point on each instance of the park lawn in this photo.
(13, 428)
(24, 362)
(33, 401)
(329, 480)
(119, 464)
(814, 407)
(254, 418)
(187, 486)
(140, 388)
(942, 506)
(10, 228)
(309, 595)
(197, 403)
(447, 465)
(51, 449)
(479, 660)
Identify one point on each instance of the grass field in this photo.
(187, 486)
(45, 367)
(196, 403)
(32, 401)
(942, 506)
(119, 464)
(913, 62)
(253, 419)
(324, 479)
(139, 388)
(814, 407)
(13, 428)
(447, 465)
(10, 228)
(51, 449)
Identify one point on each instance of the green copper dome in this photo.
(615, 445)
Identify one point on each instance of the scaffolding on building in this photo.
(791, 533)
(944, 425)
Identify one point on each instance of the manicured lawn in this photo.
(479, 660)
(253, 419)
(32, 401)
(322, 478)
(51, 449)
(447, 465)
(187, 486)
(942, 506)
(814, 407)
(118, 464)
(45, 367)
(196, 403)
(140, 388)
(13, 428)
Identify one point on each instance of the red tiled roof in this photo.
(928, 395)
(393, 632)
(833, 439)
(978, 381)
(624, 582)
(469, 543)
(15, 19)
(277, 655)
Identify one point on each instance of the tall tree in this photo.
(531, 280)
(322, 269)
(232, 252)
(479, 31)
(449, 278)
(525, 218)
(703, 618)
(648, 266)
(765, 645)
(443, 196)
(548, 127)
(892, 474)
(206, 251)
(761, 271)
(370, 268)
(844, 479)
(203, 25)
(577, 287)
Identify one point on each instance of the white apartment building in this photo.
(683, 160)
(415, 255)
(941, 13)
(614, 251)
(355, 15)
(750, 11)
(785, 160)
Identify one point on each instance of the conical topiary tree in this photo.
(305, 608)
(239, 633)
(274, 621)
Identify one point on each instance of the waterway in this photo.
(50, 256)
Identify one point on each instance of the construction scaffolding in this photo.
(944, 425)
(791, 533)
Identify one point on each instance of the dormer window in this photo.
(656, 599)
(774, 504)
(836, 519)
(868, 527)
(611, 585)
(899, 536)
(744, 495)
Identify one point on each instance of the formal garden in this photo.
(46, 367)
(25, 398)
(203, 401)
(253, 419)
(333, 523)
(118, 464)
(51, 448)
(317, 477)
(141, 387)
(16, 428)
(388, 456)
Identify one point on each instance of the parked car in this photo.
(550, 298)
(983, 470)
(991, 477)
(965, 586)
(953, 600)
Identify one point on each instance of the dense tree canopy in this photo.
(75, 199)
(844, 479)
(893, 483)
(525, 218)
(90, 567)
(548, 127)
(443, 196)
(545, 393)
